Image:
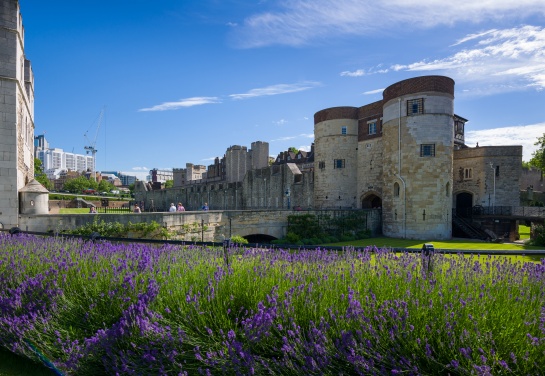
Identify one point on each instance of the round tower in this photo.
(418, 141)
(335, 157)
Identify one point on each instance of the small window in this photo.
(338, 163)
(468, 173)
(415, 106)
(427, 150)
(447, 189)
(321, 165)
(343, 130)
(497, 171)
(396, 189)
(372, 127)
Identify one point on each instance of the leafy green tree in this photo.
(169, 184)
(105, 186)
(293, 149)
(131, 187)
(77, 185)
(40, 175)
(538, 156)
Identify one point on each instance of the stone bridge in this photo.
(214, 225)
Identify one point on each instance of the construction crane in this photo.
(91, 148)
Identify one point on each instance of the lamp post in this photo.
(494, 189)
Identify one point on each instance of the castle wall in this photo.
(417, 163)
(473, 174)
(336, 158)
(16, 113)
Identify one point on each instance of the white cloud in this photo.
(287, 138)
(276, 89)
(304, 148)
(299, 22)
(280, 122)
(140, 169)
(139, 175)
(376, 91)
(357, 73)
(187, 102)
(498, 61)
(525, 135)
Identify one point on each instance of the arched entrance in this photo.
(464, 204)
(371, 201)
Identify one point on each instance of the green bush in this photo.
(292, 238)
(538, 236)
(364, 234)
(237, 239)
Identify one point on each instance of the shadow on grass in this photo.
(14, 365)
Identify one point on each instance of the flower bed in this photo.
(102, 308)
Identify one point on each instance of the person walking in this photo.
(172, 208)
(180, 207)
(205, 206)
(137, 209)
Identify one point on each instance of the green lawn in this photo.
(461, 244)
(74, 210)
(524, 232)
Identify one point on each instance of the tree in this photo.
(538, 156)
(77, 185)
(293, 149)
(105, 186)
(169, 184)
(40, 175)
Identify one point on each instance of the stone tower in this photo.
(335, 157)
(418, 142)
(16, 113)
(260, 154)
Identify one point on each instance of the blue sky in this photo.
(181, 81)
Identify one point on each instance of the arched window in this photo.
(396, 189)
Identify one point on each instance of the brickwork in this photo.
(433, 84)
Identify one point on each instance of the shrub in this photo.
(237, 239)
(538, 236)
(292, 238)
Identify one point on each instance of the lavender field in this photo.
(135, 309)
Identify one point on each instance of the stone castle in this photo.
(404, 154)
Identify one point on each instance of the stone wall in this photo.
(218, 224)
(473, 174)
(16, 113)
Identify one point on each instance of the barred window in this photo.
(321, 165)
(415, 106)
(427, 150)
(343, 130)
(338, 163)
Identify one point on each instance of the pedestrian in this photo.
(92, 210)
(180, 207)
(172, 208)
(137, 209)
(205, 206)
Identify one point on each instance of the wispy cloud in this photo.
(356, 73)
(525, 135)
(280, 122)
(299, 22)
(287, 138)
(376, 91)
(140, 169)
(504, 60)
(276, 90)
(187, 102)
